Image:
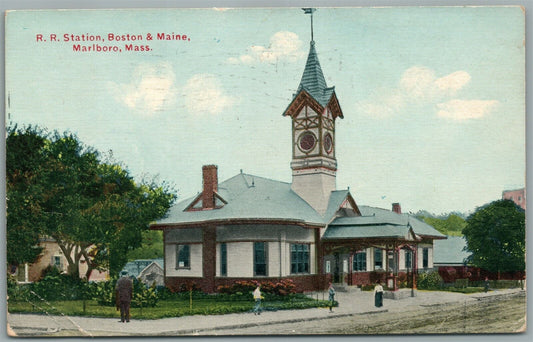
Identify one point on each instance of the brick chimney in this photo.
(210, 181)
(396, 208)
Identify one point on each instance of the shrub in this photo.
(367, 287)
(465, 289)
(15, 291)
(461, 283)
(105, 292)
(283, 287)
(144, 296)
(58, 286)
(429, 281)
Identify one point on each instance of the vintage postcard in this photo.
(266, 171)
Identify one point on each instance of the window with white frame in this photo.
(183, 256)
(408, 259)
(223, 260)
(378, 258)
(260, 259)
(425, 257)
(359, 261)
(299, 258)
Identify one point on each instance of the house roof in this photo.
(134, 268)
(450, 251)
(256, 198)
(248, 197)
(380, 223)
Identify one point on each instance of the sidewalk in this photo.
(350, 303)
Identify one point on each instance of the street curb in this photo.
(270, 322)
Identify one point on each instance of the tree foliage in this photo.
(93, 209)
(451, 225)
(495, 235)
(151, 247)
(24, 194)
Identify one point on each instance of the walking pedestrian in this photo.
(331, 292)
(124, 294)
(378, 294)
(257, 297)
(486, 284)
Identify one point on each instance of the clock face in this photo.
(307, 141)
(328, 143)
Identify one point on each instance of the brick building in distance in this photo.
(518, 196)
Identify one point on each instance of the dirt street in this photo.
(498, 314)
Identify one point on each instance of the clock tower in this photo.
(313, 111)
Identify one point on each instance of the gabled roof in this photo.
(248, 197)
(134, 268)
(450, 251)
(336, 199)
(379, 223)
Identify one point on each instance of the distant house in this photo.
(450, 252)
(518, 196)
(147, 271)
(449, 258)
(52, 255)
(255, 228)
(450, 261)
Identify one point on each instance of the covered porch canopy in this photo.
(383, 229)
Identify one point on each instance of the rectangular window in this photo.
(359, 261)
(183, 256)
(57, 261)
(378, 259)
(223, 260)
(408, 259)
(260, 259)
(425, 258)
(299, 258)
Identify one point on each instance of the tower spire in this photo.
(310, 11)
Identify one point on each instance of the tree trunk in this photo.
(90, 267)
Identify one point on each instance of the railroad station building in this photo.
(254, 228)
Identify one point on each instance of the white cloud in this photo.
(453, 82)
(418, 83)
(283, 45)
(203, 94)
(151, 89)
(419, 86)
(465, 109)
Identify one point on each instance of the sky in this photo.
(433, 98)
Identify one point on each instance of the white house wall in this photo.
(196, 261)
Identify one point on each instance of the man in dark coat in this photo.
(124, 293)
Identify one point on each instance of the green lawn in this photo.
(165, 308)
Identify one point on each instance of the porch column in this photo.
(415, 266)
(396, 267)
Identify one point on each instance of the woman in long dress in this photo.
(378, 294)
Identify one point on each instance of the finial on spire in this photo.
(310, 11)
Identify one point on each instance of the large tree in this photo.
(495, 235)
(94, 210)
(24, 157)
